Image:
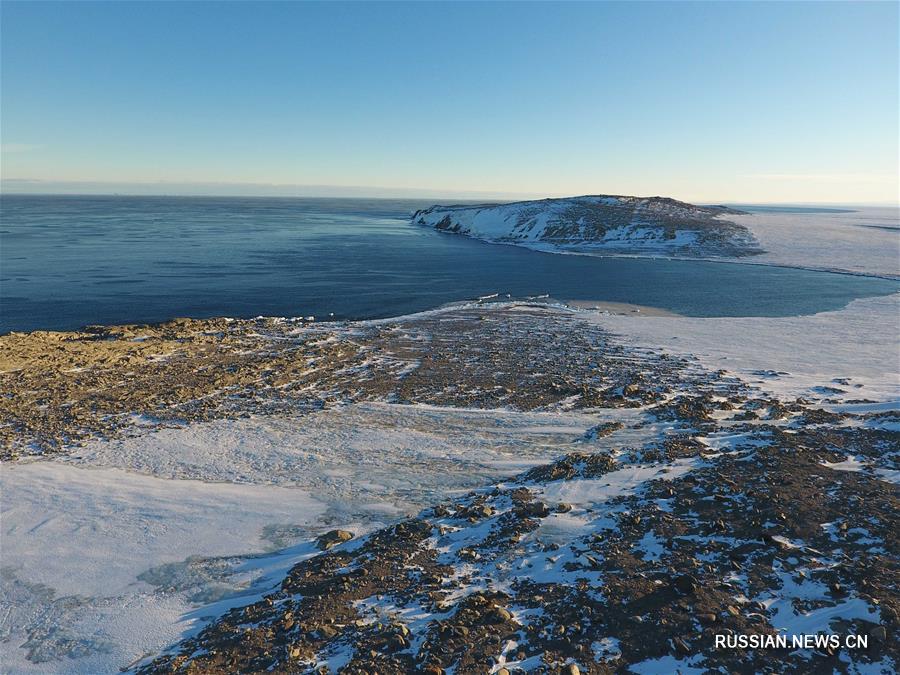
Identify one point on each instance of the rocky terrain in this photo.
(711, 508)
(601, 224)
(65, 388)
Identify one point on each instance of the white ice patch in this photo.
(613, 484)
(651, 547)
(791, 622)
(888, 475)
(849, 464)
(76, 540)
(864, 241)
(727, 440)
(858, 342)
(787, 619)
(667, 665)
(390, 458)
(606, 649)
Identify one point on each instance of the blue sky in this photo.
(755, 101)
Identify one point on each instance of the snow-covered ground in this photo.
(101, 565)
(129, 544)
(124, 548)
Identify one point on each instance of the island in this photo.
(605, 224)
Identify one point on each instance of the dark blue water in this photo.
(67, 261)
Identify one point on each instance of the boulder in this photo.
(333, 538)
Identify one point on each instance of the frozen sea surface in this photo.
(860, 240)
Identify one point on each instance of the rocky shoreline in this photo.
(739, 512)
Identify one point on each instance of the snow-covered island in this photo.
(611, 224)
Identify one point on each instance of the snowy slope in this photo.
(612, 224)
(136, 542)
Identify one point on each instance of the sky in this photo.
(710, 102)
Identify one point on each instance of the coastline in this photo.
(187, 370)
(811, 241)
(619, 308)
(740, 260)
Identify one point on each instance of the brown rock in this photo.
(878, 634)
(536, 510)
(681, 646)
(327, 632)
(498, 615)
(333, 538)
(686, 584)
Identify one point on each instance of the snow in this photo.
(792, 622)
(855, 465)
(849, 464)
(888, 475)
(666, 665)
(65, 506)
(614, 484)
(651, 547)
(76, 541)
(858, 342)
(555, 226)
(369, 451)
(606, 649)
(861, 240)
(118, 551)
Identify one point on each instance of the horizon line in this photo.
(498, 196)
(96, 188)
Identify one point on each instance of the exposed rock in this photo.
(535, 510)
(602, 430)
(685, 583)
(681, 646)
(333, 538)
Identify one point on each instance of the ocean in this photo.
(69, 261)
